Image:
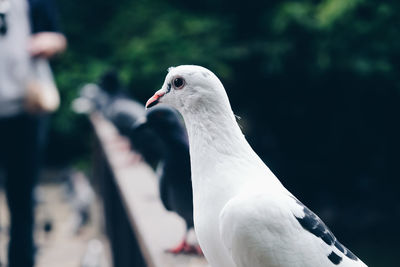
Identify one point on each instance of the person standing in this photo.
(28, 29)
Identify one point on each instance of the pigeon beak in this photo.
(155, 99)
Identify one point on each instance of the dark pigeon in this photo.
(175, 182)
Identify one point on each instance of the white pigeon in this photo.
(243, 215)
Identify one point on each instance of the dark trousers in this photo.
(20, 149)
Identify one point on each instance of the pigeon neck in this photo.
(217, 146)
(213, 129)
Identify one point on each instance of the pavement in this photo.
(61, 243)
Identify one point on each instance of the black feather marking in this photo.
(335, 258)
(350, 255)
(339, 246)
(315, 225)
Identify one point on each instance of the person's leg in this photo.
(22, 155)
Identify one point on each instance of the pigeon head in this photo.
(187, 87)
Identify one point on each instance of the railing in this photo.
(136, 223)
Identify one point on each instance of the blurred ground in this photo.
(59, 244)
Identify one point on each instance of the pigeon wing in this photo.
(263, 230)
(314, 225)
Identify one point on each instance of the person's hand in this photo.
(47, 44)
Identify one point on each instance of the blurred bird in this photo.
(80, 195)
(82, 199)
(109, 99)
(244, 216)
(122, 111)
(91, 98)
(175, 183)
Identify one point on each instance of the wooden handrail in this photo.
(155, 228)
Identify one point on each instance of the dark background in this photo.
(314, 82)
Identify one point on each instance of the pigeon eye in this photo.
(179, 83)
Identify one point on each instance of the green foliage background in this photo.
(314, 81)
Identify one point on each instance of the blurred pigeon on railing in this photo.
(81, 197)
(175, 183)
(122, 111)
(109, 100)
(91, 98)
